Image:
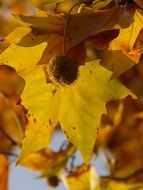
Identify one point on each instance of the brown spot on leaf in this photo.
(50, 122)
(97, 130)
(65, 134)
(19, 101)
(2, 40)
(26, 115)
(38, 31)
(24, 109)
(54, 91)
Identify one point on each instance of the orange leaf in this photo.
(3, 173)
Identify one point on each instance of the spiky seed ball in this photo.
(62, 70)
(53, 181)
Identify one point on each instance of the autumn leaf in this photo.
(49, 28)
(54, 1)
(76, 30)
(127, 37)
(48, 162)
(101, 41)
(11, 116)
(69, 5)
(112, 17)
(51, 23)
(40, 94)
(111, 60)
(122, 140)
(16, 35)
(42, 118)
(3, 173)
(87, 93)
(67, 105)
(46, 104)
(139, 3)
(107, 19)
(111, 184)
(13, 37)
(11, 126)
(24, 63)
(101, 4)
(82, 178)
(124, 48)
(11, 85)
(115, 137)
(123, 186)
(23, 60)
(42, 104)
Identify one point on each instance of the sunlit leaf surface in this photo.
(42, 106)
(22, 59)
(78, 107)
(83, 179)
(83, 103)
(127, 37)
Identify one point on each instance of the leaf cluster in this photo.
(100, 111)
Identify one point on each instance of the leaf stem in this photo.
(67, 22)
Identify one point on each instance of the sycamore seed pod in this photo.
(62, 70)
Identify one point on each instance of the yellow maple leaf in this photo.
(22, 59)
(78, 107)
(127, 37)
(82, 179)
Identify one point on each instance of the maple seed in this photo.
(62, 70)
